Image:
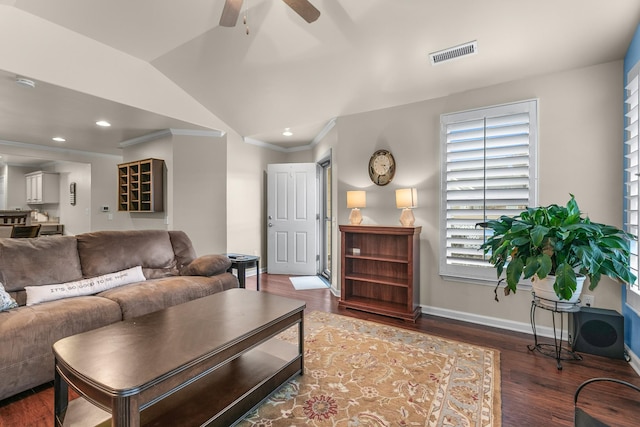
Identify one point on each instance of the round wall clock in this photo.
(382, 167)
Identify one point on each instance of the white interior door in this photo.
(292, 218)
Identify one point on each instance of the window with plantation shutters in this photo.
(488, 170)
(631, 172)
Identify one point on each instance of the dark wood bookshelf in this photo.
(380, 270)
(140, 186)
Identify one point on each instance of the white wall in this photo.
(76, 219)
(246, 196)
(104, 185)
(199, 175)
(16, 187)
(194, 191)
(580, 152)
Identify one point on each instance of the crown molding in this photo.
(319, 137)
(324, 131)
(26, 145)
(171, 131)
(198, 132)
(263, 144)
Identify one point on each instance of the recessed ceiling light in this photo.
(103, 123)
(58, 139)
(287, 132)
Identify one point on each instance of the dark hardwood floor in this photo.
(534, 392)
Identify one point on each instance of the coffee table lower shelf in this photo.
(220, 398)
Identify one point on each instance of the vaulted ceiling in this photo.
(147, 65)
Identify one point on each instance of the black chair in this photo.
(581, 418)
(21, 231)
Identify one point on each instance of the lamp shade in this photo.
(356, 199)
(406, 198)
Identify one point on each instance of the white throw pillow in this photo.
(38, 294)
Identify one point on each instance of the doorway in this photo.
(290, 248)
(292, 218)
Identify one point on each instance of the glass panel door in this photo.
(326, 254)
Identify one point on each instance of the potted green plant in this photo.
(557, 244)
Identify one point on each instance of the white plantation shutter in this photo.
(631, 172)
(488, 170)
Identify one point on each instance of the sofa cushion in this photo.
(6, 301)
(103, 252)
(182, 247)
(20, 297)
(93, 285)
(137, 299)
(206, 265)
(30, 262)
(27, 334)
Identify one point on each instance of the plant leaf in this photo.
(572, 206)
(545, 265)
(531, 267)
(514, 271)
(614, 242)
(537, 234)
(565, 284)
(594, 279)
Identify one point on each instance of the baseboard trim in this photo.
(494, 322)
(634, 360)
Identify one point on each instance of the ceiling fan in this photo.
(231, 10)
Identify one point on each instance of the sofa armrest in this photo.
(206, 265)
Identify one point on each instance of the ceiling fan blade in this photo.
(230, 13)
(306, 10)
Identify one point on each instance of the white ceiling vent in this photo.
(469, 48)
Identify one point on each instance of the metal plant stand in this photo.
(555, 350)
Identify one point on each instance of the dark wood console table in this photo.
(204, 362)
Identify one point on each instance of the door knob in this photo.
(270, 225)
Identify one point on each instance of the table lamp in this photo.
(407, 199)
(355, 201)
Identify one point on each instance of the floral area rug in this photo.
(360, 373)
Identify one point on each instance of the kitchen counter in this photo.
(49, 228)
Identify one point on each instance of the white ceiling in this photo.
(360, 55)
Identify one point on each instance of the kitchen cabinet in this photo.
(42, 187)
(381, 270)
(140, 186)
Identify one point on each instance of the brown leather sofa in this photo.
(173, 271)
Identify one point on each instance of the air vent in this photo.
(469, 48)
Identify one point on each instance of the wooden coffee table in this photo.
(205, 362)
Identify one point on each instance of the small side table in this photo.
(555, 350)
(240, 263)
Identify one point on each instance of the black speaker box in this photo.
(599, 331)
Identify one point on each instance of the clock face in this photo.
(382, 167)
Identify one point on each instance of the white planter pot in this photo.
(543, 288)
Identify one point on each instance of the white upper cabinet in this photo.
(43, 187)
